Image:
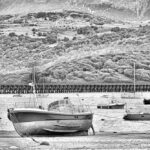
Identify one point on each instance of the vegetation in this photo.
(90, 53)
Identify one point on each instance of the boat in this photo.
(17, 95)
(105, 96)
(137, 116)
(61, 117)
(130, 95)
(112, 105)
(138, 113)
(133, 94)
(146, 101)
(38, 121)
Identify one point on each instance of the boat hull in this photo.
(51, 127)
(117, 106)
(146, 101)
(28, 122)
(137, 117)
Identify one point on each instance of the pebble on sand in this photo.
(13, 147)
(44, 143)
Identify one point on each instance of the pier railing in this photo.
(73, 88)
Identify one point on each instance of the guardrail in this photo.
(73, 88)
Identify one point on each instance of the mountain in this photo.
(123, 8)
(130, 8)
(27, 6)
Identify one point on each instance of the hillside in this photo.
(72, 46)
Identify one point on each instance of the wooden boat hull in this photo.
(116, 106)
(40, 122)
(137, 117)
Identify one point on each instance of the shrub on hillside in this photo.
(12, 34)
(66, 39)
(115, 29)
(84, 30)
(51, 39)
(41, 15)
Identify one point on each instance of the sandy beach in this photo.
(100, 141)
(112, 132)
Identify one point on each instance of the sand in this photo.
(112, 132)
(99, 141)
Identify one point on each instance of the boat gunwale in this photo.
(117, 104)
(36, 110)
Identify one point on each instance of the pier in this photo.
(74, 88)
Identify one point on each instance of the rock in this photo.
(89, 76)
(44, 143)
(13, 147)
(98, 65)
(78, 74)
(124, 66)
(142, 74)
(60, 74)
(120, 70)
(111, 79)
(122, 62)
(108, 70)
(116, 77)
(115, 132)
(128, 72)
(102, 75)
(110, 64)
(146, 62)
(140, 65)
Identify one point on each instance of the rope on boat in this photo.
(34, 140)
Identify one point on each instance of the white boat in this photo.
(37, 121)
(131, 95)
(114, 104)
(137, 113)
(60, 117)
(137, 116)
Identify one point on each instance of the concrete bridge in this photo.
(74, 88)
